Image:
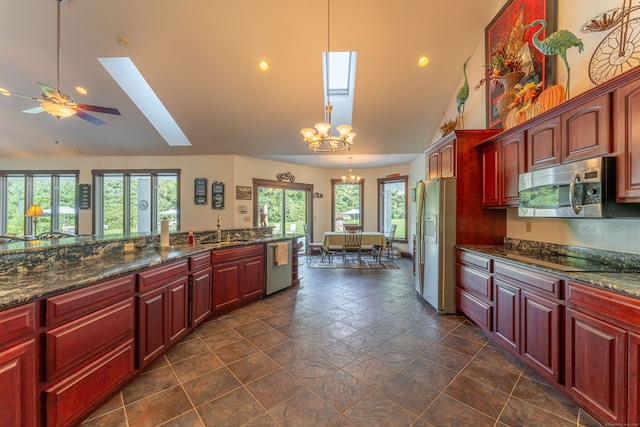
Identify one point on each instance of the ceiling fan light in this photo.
(57, 110)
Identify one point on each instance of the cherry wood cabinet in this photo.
(18, 369)
(627, 131)
(474, 289)
(88, 347)
(238, 276)
(502, 163)
(163, 310)
(507, 314)
(544, 144)
(201, 288)
(595, 359)
(633, 416)
(459, 153)
(586, 129)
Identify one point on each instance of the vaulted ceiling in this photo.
(200, 57)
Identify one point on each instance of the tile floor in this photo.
(347, 347)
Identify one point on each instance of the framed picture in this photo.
(217, 195)
(200, 191)
(537, 67)
(243, 193)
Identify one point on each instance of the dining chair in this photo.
(389, 242)
(352, 241)
(313, 248)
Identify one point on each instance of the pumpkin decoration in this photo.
(550, 97)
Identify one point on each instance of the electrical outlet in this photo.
(247, 218)
(128, 247)
(528, 226)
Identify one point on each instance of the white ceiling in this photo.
(200, 57)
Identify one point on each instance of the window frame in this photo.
(381, 183)
(98, 185)
(54, 193)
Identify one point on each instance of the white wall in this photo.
(232, 171)
(608, 234)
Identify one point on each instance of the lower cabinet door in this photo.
(226, 284)
(633, 418)
(74, 397)
(201, 288)
(253, 280)
(153, 328)
(540, 334)
(506, 311)
(178, 294)
(18, 385)
(596, 365)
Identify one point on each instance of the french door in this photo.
(285, 206)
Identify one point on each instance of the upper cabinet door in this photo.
(627, 131)
(512, 159)
(434, 165)
(544, 144)
(587, 131)
(448, 159)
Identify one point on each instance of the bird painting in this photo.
(462, 95)
(555, 44)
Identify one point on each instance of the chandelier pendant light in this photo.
(319, 138)
(350, 178)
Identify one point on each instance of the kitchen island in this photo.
(80, 319)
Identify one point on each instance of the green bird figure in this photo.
(555, 44)
(462, 95)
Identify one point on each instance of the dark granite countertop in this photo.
(604, 275)
(26, 286)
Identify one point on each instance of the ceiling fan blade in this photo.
(49, 91)
(97, 109)
(89, 118)
(34, 110)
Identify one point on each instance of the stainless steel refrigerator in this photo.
(438, 244)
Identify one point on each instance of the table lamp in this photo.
(34, 212)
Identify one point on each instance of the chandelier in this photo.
(319, 138)
(350, 178)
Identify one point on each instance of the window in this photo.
(392, 206)
(346, 203)
(54, 191)
(135, 201)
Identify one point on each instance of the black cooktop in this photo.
(565, 263)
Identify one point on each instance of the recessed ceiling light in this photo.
(263, 65)
(81, 90)
(423, 61)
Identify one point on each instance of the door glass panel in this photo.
(346, 205)
(140, 204)
(113, 202)
(168, 200)
(270, 200)
(296, 211)
(393, 208)
(15, 205)
(66, 204)
(42, 197)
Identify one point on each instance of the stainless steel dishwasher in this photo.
(278, 266)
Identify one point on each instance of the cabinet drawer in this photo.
(478, 311)
(603, 302)
(237, 253)
(70, 345)
(534, 281)
(16, 322)
(158, 275)
(70, 305)
(198, 262)
(477, 261)
(475, 281)
(73, 398)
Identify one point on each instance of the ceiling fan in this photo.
(57, 103)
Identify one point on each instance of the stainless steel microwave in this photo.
(583, 189)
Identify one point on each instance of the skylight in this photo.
(127, 75)
(342, 80)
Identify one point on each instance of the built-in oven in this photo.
(583, 189)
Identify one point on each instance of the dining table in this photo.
(369, 238)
